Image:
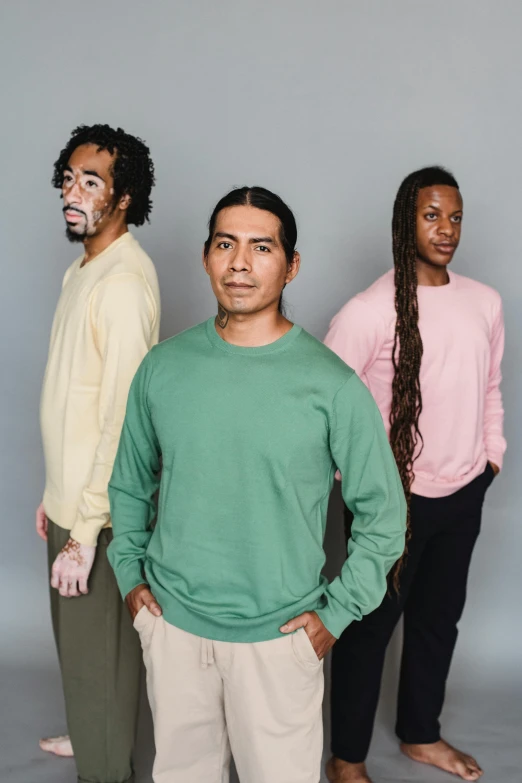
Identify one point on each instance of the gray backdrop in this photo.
(329, 104)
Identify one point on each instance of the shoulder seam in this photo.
(341, 387)
(371, 307)
(117, 278)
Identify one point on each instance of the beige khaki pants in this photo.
(261, 701)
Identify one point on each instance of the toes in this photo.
(473, 765)
(59, 746)
(468, 774)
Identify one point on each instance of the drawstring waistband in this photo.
(207, 653)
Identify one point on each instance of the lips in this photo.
(72, 215)
(239, 286)
(446, 247)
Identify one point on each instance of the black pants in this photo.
(432, 596)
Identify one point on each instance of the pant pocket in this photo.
(138, 619)
(304, 651)
(144, 623)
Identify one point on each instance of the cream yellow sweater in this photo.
(107, 319)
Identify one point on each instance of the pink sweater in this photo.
(462, 330)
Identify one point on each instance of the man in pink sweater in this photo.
(428, 343)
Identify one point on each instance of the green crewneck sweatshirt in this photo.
(243, 444)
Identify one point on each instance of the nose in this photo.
(240, 261)
(447, 227)
(72, 194)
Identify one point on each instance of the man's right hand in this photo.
(42, 523)
(141, 596)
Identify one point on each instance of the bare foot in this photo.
(338, 771)
(60, 746)
(442, 755)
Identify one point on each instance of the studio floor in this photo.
(485, 722)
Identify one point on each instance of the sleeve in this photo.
(133, 485)
(494, 411)
(356, 335)
(122, 314)
(373, 492)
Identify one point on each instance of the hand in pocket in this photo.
(139, 597)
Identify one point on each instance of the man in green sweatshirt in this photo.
(242, 422)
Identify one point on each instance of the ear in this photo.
(125, 201)
(293, 267)
(204, 258)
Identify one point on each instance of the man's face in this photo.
(246, 261)
(88, 193)
(439, 222)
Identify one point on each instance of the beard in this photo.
(90, 225)
(72, 236)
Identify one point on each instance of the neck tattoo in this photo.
(222, 317)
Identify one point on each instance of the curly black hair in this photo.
(133, 169)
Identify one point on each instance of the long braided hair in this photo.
(406, 407)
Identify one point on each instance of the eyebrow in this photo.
(253, 241)
(432, 206)
(88, 172)
(94, 174)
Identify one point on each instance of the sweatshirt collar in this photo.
(240, 350)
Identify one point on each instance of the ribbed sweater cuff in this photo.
(129, 578)
(496, 458)
(333, 622)
(87, 533)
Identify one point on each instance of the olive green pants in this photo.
(100, 660)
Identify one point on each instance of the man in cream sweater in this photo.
(106, 320)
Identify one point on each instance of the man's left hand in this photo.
(71, 569)
(496, 469)
(321, 638)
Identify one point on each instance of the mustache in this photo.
(73, 209)
(227, 280)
